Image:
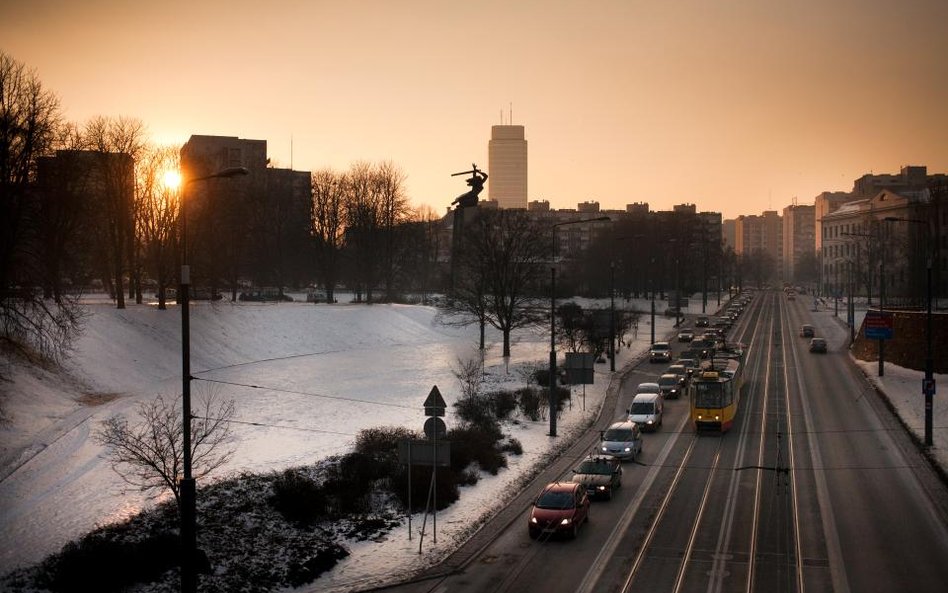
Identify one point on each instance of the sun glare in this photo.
(172, 179)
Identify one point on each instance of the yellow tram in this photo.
(715, 393)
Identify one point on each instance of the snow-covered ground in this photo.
(309, 377)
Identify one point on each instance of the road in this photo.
(816, 488)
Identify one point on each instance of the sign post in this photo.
(428, 452)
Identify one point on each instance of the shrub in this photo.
(477, 410)
(298, 498)
(476, 444)
(446, 487)
(382, 439)
(97, 563)
(350, 482)
(513, 446)
(529, 402)
(504, 403)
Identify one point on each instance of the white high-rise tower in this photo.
(507, 166)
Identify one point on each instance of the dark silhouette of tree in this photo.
(327, 227)
(157, 207)
(498, 273)
(29, 123)
(117, 144)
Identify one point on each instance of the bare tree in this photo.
(470, 376)
(149, 453)
(29, 123)
(117, 143)
(393, 211)
(362, 221)
(327, 226)
(157, 204)
(498, 272)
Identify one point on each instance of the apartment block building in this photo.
(799, 239)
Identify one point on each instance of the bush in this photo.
(351, 481)
(513, 446)
(476, 444)
(298, 498)
(477, 410)
(382, 439)
(98, 563)
(504, 403)
(446, 486)
(529, 402)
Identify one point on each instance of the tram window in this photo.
(708, 396)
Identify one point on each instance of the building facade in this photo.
(507, 166)
(799, 240)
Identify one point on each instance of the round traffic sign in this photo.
(435, 428)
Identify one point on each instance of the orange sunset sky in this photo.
(738, 106)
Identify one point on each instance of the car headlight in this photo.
(604, 449)
(649, 422)
(717, 417)
(565, 521)
(600, 488)
(533, 520)
(627, 449)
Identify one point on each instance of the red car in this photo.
(561, 508)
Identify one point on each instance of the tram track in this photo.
(714, 472)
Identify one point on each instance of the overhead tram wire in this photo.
(306, 393)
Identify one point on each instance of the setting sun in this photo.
(171, 179)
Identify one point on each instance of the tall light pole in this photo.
(612, 316)
(188, 486)
(928, 383)
(882, 248)
(552, 378)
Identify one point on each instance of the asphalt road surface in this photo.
(816, 488)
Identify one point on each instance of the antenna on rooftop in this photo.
(511, 113)
(291, 152)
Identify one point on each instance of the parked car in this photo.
(561, 507)
(660, 352)
(806, 331)
(818, 345)
(622, 440)
(670, 385)
(686, 335)
(600, 474)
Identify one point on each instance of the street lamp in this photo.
(928, 384)
(188, 486)
(552, 378)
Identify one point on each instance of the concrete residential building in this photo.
(507, 166)
(759, 233)
(799, 238)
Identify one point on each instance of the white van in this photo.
(646, 410)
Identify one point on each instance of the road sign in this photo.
(580, 367)
(928, 386)
(435, 428)
(421, 452)
(878, 325)
(434, 405)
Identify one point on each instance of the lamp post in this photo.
(552, 378)
(612, 316)
(188, 486)
(928, 383)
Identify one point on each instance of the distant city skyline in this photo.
(738, 107)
